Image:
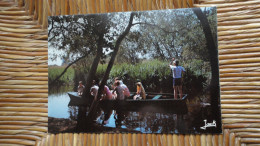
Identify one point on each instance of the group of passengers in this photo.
(119, 90)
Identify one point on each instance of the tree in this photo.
(163, 36)
(213, 53)
(79, 37)
(109, 67)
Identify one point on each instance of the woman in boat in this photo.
(119, 92)
(107, 95)
(140, 93)
(80, 88)
(177, 72)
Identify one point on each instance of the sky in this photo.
(58, 61)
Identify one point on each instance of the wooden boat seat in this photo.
(157, 97)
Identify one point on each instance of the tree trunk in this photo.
(158, 50)
(213, 53)
(95, 103)
(93, 69)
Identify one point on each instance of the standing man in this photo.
(177, 73)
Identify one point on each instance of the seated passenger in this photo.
(107, 95)
(81, 87)
(119, 92)
(126, 90)
(140, 93)
(94, 89)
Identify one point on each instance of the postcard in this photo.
(134, 72)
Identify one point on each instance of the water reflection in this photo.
(143, 122)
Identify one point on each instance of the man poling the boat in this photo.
(177, 72)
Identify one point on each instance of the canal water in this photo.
(143, 122)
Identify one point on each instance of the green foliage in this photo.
(142, 71)
(55, 71)
(193, 83)
(199, 67)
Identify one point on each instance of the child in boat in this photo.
(119, 92)
(140, 93)
(94, 89)
(80, 88)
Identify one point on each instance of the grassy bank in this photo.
(55, 71)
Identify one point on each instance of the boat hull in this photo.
(165, 105)
(76, 100)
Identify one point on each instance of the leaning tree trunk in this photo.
(95, 103)
(93, 69)
(82, 119)
(213, 53)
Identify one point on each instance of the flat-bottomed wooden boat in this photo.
(155, 102)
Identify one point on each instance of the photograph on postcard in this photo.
(134, 72)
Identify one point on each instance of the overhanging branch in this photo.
(64, 71)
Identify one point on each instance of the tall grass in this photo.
(154, 75)
(55, 71)
(142, 71)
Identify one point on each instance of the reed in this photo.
(238, 70)
(224, 5)
(241, 116)
(28, 49)
(241, 92)
(241, 36)
(238, 22)
(245, 111)
(236, 66)
(249, 10)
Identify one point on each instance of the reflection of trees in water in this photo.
(73, 111)
(145, 122)
(197, 113)
(151, 122)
